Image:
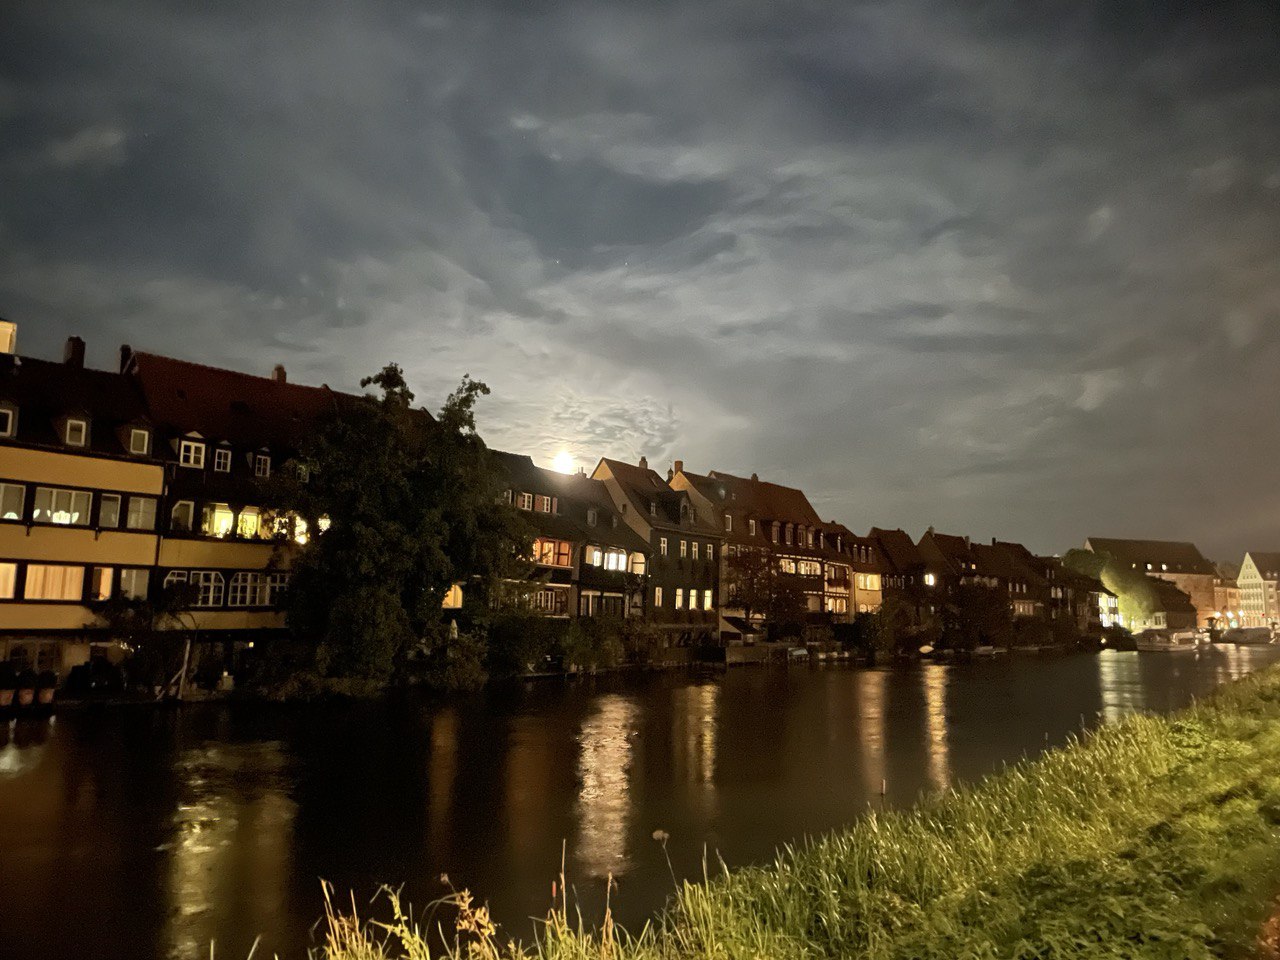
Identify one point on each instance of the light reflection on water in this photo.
(173, 829)
(604, 770)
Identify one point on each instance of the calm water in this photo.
(137, 833)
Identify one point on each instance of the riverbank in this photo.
(1153, 837)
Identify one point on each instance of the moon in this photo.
(564, 462)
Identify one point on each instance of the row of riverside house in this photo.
(118, 484)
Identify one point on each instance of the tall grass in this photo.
(1156, 837)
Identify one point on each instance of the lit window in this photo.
(77, 433)
(182, 516)
(525, 501)
(711, 552)
(695, 549)
(12, 497)
(662, 546)
(8, 580)
(109, 510)
(262, 465)
(67, 507)
(142, 513)
(615, 560)
(684, 549)
(248, 523)
(542, 504)
(133, 583)
(100, 583)
(728, 523)
(53, 582)
(679, 598)
(751, 527)
(216, 520)
(693, 599)
(638, 564)
(930, 580)
(139, 442)
(657, 597)
(706, 599)
(554, 553)
(222, 460)
(6, 422)
(191, 454)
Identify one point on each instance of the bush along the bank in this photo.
(1156, 837)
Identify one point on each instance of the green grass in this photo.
(1156, 837)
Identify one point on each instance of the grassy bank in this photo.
(1154, 837)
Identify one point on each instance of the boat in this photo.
(1162, 641)
(1249, 636)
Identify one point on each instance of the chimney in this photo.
(671, 474)
(8, 336)
(644, 463)
(278, 374)
(967, 544)
(679, 466)
(126, 354)
(755, 478)
(994, 541)
(73, 353)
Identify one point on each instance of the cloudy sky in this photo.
(1008, 268)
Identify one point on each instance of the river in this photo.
(135, 832)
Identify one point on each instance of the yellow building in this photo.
(80, 491)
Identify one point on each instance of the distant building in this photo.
(1228, 604)
(586, 561)
(1257, 583)
(1173, 610)
(1177, 562)
(683, 593)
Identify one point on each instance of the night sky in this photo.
(1005, 268)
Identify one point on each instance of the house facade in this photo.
(80, 496)
(586, 561)
(682, 596)
(1258, 583)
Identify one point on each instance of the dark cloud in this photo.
(1006, 268)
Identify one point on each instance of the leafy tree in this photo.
(401, 506)
(1135, 592)
(759, 587)
(976, 615)
(155, 631)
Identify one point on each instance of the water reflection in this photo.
(1120, 682)
(21, 747)
(872, 685)
(441, 775)
(231, 842)
(604, 797)
(934, 678)
(527, 784)
(695, 721)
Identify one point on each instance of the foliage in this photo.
(1150, 839)
(411, 506)
(975, 615)
(155, 631)
(759, 587)
(1134, 590)
(592, 643)
(1031, 632)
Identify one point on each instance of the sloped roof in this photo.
(1169, 598)
(1179, 555)
(768, 501)
(1268, 563)
(44, 392)
(575, 495)
(643, 486)
(219, 404)
(953, 551)
(897, 549)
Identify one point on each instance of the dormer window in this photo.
(8, 422)
(653, 508)
(542, 504)
(191, 454)
(77, 433)
(139, 442)
(592, 517)
(728, 523)
(261, 465)
(222, 460)
(525, 501)
(751, 527)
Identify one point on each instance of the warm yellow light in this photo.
(564, 462)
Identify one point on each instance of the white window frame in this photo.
(657, 598)
(191, 454)
(541, 503)
(103, 500)
(83, 431)
(222, 460)
(525, 501)
(134, 434)
(693, 598)
(662, 546)
(210, 586)
(711, 552)
(245, 589)
(140, 503)
(72, 497)
(10, 421)
(728, 523)
(5, 494)
(262, 465)
(131, 575)
(190, 512)
(707, 603)
(679, 598)
(751, 527)
(684, 549)
(101, 582)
